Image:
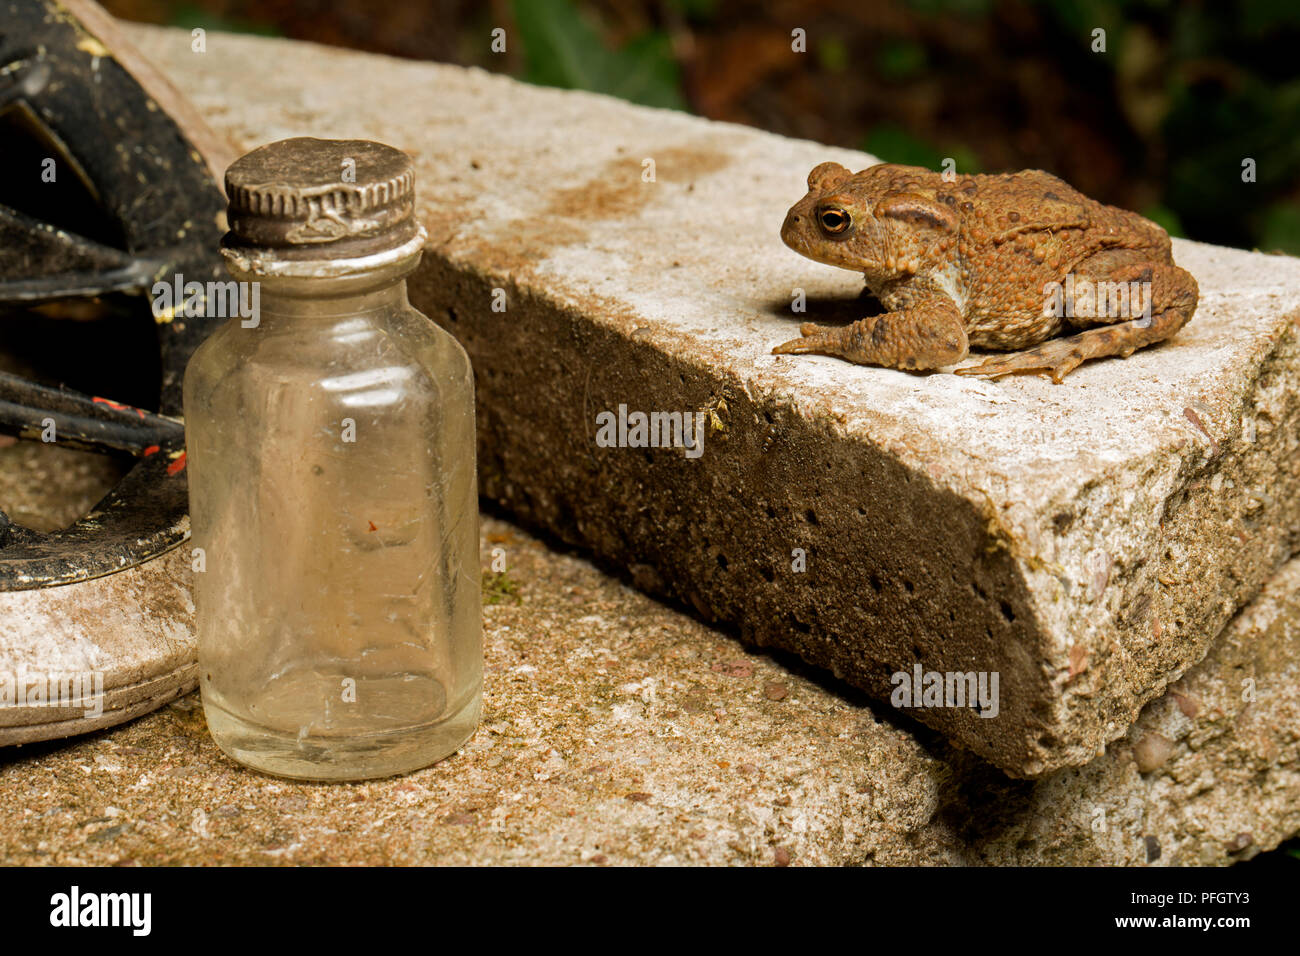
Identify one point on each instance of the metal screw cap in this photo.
(307, 198)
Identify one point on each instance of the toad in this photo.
(1006, 263)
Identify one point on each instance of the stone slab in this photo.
(619, 731)
(1209, 774)
(1085, 541)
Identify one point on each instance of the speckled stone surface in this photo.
(1209, 774)
(1086, 541)
(620, 731)
(615, 730)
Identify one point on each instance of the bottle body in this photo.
(330, 455)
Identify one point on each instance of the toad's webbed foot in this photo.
(1170, 299)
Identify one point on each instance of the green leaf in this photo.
(499, 588)
(833, 55)
(698, 11)
(187, 16)
(901, 60)
(562, 49)
(971, 9)
(1166, 219)
(893, 144)
(1281, 232)
(650, 74)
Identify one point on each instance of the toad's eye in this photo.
(834, 221)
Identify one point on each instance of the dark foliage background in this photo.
(1160, 121)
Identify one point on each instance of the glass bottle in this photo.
(330, 454)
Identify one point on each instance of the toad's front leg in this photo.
(929, 333)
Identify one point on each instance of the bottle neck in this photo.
(324, 293)
(322, 303)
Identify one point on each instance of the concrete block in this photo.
(1208, 775)
(1084, 541)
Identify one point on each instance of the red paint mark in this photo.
(372, 526)
(150, 450)
(117, 405)
(1078, 661)
(1195, 419)
(177, 466)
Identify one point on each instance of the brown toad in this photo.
(996, 262)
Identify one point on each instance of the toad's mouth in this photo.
(800, 244)
(793, 234)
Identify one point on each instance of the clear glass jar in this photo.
(330, 455)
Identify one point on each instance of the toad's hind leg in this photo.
(1170, 299)
(928, 333)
